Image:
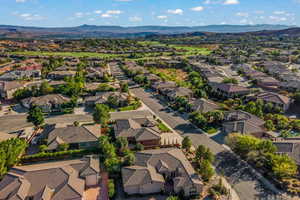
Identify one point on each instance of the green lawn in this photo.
(163, 127)
(192, 50)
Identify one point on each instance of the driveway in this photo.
(239, 174)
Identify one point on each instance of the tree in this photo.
(269, 125)
(63, 147)
(206, 170)
(10, 152)
(283, 166)
(107, 149)
(112, 164)
(172, 198)
(101, 114)
(35, 116)
(139, 147)
(42, 148)
(186, 143)
(203, 153)
(121, 143)
(113, 101)
(124, 87)
(111, 188)
(45, 88)
(297, 97)
(129, 159)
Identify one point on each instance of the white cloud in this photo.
(113, 12)
(177, 11)
(79, 14)
(135, 19)
(277, 18)
(259, 12)
(28, 16)
(279, 12)
(98, 11)
(197, 9)
(105, 15)
(231, 2)
(242, 14)
(21, 1)
(162, 17)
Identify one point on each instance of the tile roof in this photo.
(53, 180)
(10, 85)
(53, 99)
(71, 134)
(150, 162)
(273, 97)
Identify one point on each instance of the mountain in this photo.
(93, 31)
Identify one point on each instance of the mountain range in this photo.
(93, 31)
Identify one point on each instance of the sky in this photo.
(66, 13)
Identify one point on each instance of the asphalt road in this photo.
(246, 183)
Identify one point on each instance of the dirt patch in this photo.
(175, 74)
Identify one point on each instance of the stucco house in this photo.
(242, 122)
(203, 105)
(173, 93)
(48, 103)
(102, 97)
(161, 170)
(61, 75)
(8, 88)
(52, 180)
(278, 100)
(229, 90)
(139, 130)
(78, 137)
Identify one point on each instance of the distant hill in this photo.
(88, 31)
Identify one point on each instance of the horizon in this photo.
(170, 26)
(130, 13)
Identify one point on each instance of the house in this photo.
(96, 72)
(139, 130)
(48, 103)
(19, 74)
(173, 93)
(57, 180)
(152, 77)
(290, 148)
(8, 88)
(229, 90)
(78, 137)
(278, 100)
(102, 97)
(242, 122)
(203, 105)
(61, 75)
(162, 86)
(292, 86)
(159, 170)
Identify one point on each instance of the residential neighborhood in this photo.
(169, 115)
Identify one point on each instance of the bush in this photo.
(57, 155)
(111, 188)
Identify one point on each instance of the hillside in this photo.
(88, 31)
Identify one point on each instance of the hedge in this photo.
(44, 156)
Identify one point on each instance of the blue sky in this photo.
(56, 13)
